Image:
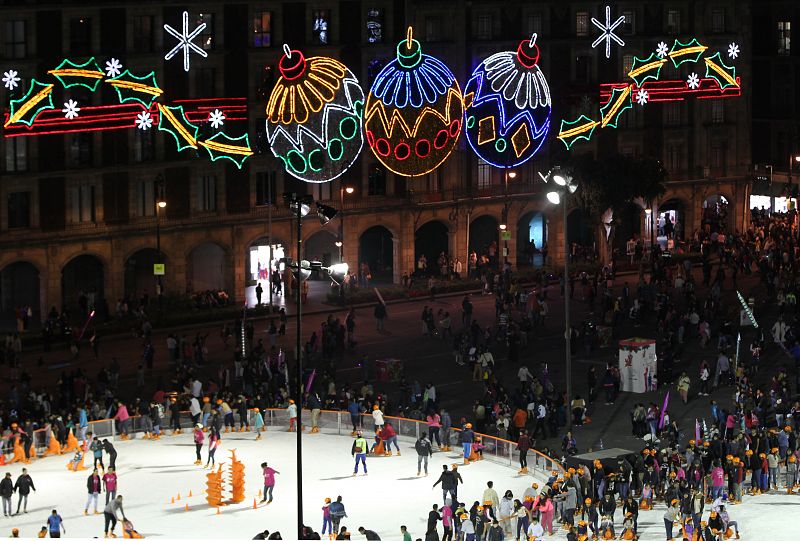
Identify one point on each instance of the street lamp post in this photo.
(160, 204)
(649, 213)
(507, 174)
(793, 158)
(342, 190)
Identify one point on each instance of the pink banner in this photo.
(311, 380)
(663, 409)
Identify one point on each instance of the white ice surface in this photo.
(153, 472)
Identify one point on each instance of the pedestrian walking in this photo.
(93, 487)
(199, 439)
(110, 484)
(269, 481)
(6, 491)
(424, 451)
(523, 446)
(97, 452)
(55, 525)
(338, 512)
(380, 316)
(23, 488)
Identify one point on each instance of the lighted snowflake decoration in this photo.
(642, 96)
(185, 42)
(608, 34)
(11, 79)
(733, 51)
(693, 81)
(217, 119)
(144, 121)
(113, 67)
(70, 109)
(662, 50)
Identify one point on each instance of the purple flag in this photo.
(696, 430)
(311, 380)
(663, 409)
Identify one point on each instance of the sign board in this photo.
(637, 365)
(505, 235)
(158, 269)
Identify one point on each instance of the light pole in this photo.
(342, 190)
(507, 174)
(565, 187)
(161, 203)
(649, 214)
(301, 206)
(793, 158)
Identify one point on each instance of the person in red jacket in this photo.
(523, 446)
(389, 436)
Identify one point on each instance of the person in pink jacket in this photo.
(717, 480)
(447, 520)
(110, 482)
(434, 424)
(199, 439)
(547, 511)
(124, 420)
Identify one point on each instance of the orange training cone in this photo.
(259, 492)
(218, 510)
(255, 504)
(179, 497)
(186, 508)
(190, 493)
(173, 500)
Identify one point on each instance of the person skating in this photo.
(389, 436)
(359, 450)
(377, 417)
(199, 439)
(327, 522)
(97, 451)
(269, 482)
(258, 423)
(110, 484)
(175, 416)
(108, 447)
(213, 443)
(424, 451)
(110, 515)
(94, 486)
(523, 446)
(467, 437)
(406, 534)
(291, 410)
(23, 488)
(337, 513)
(431, 533)
(491, 501)
(369, 534)
(6, 491)
(55, 525)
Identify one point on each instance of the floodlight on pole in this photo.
(554, 197)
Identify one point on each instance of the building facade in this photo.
(79, 213)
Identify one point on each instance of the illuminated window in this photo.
(83, 204)
(483, 26)
(15, 39)
(207, 193)
(784, 37)
(266, 189)
(629, 25)
(484, 174)
(582, 23)
(433, 28)
(322, 26)
(673, 21)
(207, 35)
(375, 25)
(627, 63)
(533, 24)
(19, 209)
(143, 36)
(80, 36)
(718, 21)
(16, 154)
(262, 29)
(717, 112)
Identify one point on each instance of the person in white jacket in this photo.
(535, 530)
(195, 410)
(779, 332)
(507, 515)
(377, 416)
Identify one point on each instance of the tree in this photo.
(612, 183)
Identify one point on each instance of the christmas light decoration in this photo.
(129, 87)
(314, 117)
(71, 109)
(11, 79)
(720, 82)
(173, 121)
(185, 42)
(25, 110)
(144, 121)
(507, 106)
(747, 310)
(71, 74)
(733, 51)
(414, 112)
(216, 118)
(608, 34)
(113, 67)
(226, 150)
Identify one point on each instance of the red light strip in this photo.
(123, 116)
(675, 90)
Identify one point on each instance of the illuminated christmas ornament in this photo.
(507, 106)
(314, 117)
(413, 112)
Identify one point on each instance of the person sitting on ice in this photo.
(628, 532)
(727, 522)
(377, 442)
(478, 447)
(77, 461)
(607, 527)
(535, 530)
(646, 501)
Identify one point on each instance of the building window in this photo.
(673, 21)
(205, 82)
(376, 181)
(583, 69)
(80, 36)
(80, 149)
(673, 158)
(433, 28)
(717, 112)
(143, 36)
(533, 24)
(629, 25)
(784, 37)
(19, 209)
(433, 181)
(718, 21)
(16, 154)
(15, 39)
(718, 156)
(266, 188)
(582, 23)
(83, 210)
(483, 26)
(146, 198)
(207, 193)
(321, 191)
(207, 35)
(627, 63)
(484, 174)
(321, 27)
(262, 29)
(672, 114)
(143, 146)
(375, 25)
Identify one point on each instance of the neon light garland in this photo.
(314, 117)
(136, 109)
(507, 100)
(608, 34)
(648, 87)
(414, 112)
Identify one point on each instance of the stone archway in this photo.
(431, 239)
(321, 246)
(208, 268)
(716, 213)
(83, 286)
(484, 238)
(628, 225)
(19, 290)
(531, 237)
(672, 220)
(139, 276)
(376, 249)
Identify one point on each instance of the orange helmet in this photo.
(14, 426)
(673, 502)
(588, 501)
(567, 475)
(571, 470)
(327, 500)
(375, 407)
(706, 444)
(713, 514)
(774, 450)
(736, 460)
(291, 401)
(792, 459)
(673, 475)
(729, 457)
(534, 486)
(762, 455)
(255, 410)
(554, 472)
(206, 400)
(581, 523)
(468, 426)
(173, 399)
(691, 442)
(219, 401)
(528, 498)
(749, 452)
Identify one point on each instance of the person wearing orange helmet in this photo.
(291, 410)
(791, 472)
(467, 437)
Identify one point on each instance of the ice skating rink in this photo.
(151, 473)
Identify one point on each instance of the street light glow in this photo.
(502, 227)
(558, 179)
(349, 189)
(554, 197)
(161, 204)
(512, 174)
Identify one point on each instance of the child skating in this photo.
(327, 523)
(258, 423)
(292, 411)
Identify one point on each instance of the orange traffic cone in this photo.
(259, 492)
(173, 500)
(186, 508)
(179, 497)
(218, 510)
(255, 504)
(190, 493)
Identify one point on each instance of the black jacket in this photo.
(109, 448)
(447, 480)
(607, 507)
(90, 485)
(24, 484)
(423, 447)
(6, 487)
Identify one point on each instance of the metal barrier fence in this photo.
(330, 422)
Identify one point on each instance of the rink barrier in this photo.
(496, 449)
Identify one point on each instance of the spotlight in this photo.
(558, 179)
(326, 213)
(502, 227)
(554, 197)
